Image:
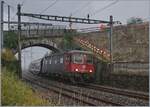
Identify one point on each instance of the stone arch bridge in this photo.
(50, 37)
(43, 35)
(46, 43)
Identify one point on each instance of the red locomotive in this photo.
(75, 65)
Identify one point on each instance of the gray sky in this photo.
(120, 9)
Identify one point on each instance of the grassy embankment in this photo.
(14, 91)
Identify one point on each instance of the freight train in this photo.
(75, 65)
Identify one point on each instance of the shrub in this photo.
(16, 93)
(9, 60)
(134, 20)
(68, 38)
(10, 40)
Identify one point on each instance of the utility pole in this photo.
(111, 42)
(8, 17)
(2, 14)
(19, 40)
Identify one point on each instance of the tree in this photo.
(134, 20)
(8, 59)
(10, 40)
(68, 40)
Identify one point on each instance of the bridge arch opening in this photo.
(52, 48)
(34, 52)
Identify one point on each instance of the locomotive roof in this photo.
(72, 51)
(80, 51)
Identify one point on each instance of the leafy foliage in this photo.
(10, 40)
(8, 59)
(134, 20)
(16, 93)
(68, 40)
(8, 55)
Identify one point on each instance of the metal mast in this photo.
(19, 40)
(1, 28)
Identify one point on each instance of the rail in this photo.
(139, 95)
(68, 92)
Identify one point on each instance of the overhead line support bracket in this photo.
(64, 18)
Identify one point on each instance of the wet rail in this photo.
(92, 100)
(140, 95)
(57, 90)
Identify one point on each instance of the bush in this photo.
(10, 40)
(16, 93)
(68, 38)
(9, 60)
(134, 20)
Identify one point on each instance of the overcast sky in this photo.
(97, 9)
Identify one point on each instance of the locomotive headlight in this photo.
(90, 70)
(76, 69)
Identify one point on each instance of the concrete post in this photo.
(8, 18)
(111, 42)
(19, 40)
(2, 15)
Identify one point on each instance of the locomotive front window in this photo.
(89, 59)
(77, 58)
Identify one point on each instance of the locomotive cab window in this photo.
(77, 58)
(89, 59)
(80, 58)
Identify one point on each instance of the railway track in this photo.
(132, 94)
(86, 99)
(58, 91)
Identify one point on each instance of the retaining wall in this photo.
(105, 76)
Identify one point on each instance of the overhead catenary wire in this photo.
(52, 4)
(23, 2)
(12, 8)
(80, 9)
(102, 9)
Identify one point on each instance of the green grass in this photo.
(17, 93)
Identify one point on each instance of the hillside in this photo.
(130, 42)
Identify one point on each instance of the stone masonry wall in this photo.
(130, 42)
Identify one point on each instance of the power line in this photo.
(100, 10)
(80, 9)
(9, 5)
(49, 6)
(23, 2)
(12, 8)
(13, 16)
